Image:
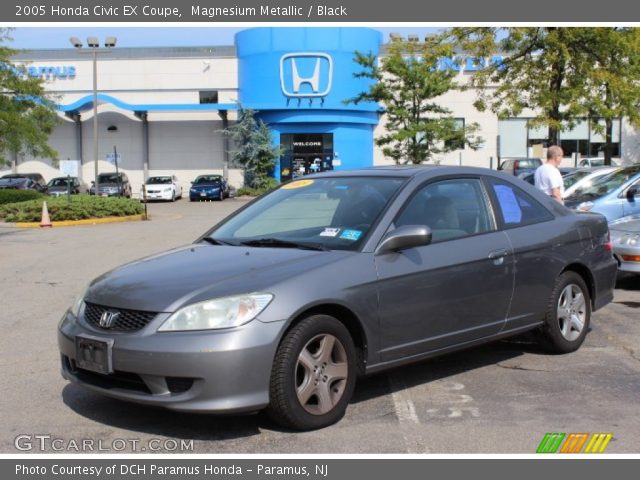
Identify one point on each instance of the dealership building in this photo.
(163, 110)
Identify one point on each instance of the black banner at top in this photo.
(301, 11)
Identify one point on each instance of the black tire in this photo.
(285, 407)
(553, 338)
(173, 196)
(221, 197)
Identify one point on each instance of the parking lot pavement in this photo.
(499, 398)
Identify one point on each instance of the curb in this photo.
(87, 221)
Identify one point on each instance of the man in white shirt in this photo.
(548, 177)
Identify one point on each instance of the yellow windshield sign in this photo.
(297, 184)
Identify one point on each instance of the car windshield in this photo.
(58, 182)
(109, 178)
(607, 184)
(571, 179)
(329, 213)
(158, 180)
(208, 179)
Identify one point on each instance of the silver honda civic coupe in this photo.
(286, 302)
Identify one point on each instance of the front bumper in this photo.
(157, 195)
(224, 371)
(625, 265)
(210, 194)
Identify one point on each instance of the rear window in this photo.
(516, 207)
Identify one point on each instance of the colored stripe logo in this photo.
(574, 443)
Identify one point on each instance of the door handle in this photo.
(497, 256)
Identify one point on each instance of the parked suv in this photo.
(112, 185)
(520, 166)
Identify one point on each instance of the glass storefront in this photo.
(305, 153)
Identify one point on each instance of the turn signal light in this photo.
(631, 258)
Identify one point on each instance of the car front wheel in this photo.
(313, 375)
(568, 314)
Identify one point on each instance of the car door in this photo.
(534, 240)
(455, 290)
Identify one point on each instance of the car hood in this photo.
(631, 226)
(167, 281)
(58, 189)
(206, 185)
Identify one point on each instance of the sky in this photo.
(58, 37)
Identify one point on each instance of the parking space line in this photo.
(407, 417)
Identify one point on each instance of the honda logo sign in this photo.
(306, 74)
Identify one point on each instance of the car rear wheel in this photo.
(568, 314)
(313, 375)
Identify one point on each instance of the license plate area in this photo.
(94, 354)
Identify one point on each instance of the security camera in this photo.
(76, 42)
(93, 42)
(110, 42)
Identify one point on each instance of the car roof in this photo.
(408, 171)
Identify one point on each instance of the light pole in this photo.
(94, 45)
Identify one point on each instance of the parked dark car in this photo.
(112, 185)
(520, 166)
(60, 186)
(209, 187)
(18, 183)
(286, 302)
(37, 181)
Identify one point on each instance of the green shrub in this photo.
(254, 192)
(81, 207)
(9, 195)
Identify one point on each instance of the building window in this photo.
(458, 142)
(208, 96)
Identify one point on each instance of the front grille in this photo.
(127, 320)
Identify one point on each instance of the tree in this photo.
(255, 151)
(27, 115)
(542, 70)
(611, 58)
(407, 83)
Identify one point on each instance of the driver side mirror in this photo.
(402, 238)
(632, 192)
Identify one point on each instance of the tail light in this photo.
(608, 244)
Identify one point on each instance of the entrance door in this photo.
(305, 153)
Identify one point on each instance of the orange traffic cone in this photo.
(46, 221)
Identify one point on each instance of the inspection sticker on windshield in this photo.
(351, 235)
(297, 184)
(330, 232)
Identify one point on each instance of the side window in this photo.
(451, 208)
(517, 207)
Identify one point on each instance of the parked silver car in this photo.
(284, 303)
(625, 236)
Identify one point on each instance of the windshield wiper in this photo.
(217, 241)
(277, 243)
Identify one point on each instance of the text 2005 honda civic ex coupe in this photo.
(286, 302)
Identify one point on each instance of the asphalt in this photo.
(498, 398)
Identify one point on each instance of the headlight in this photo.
(223, 312)
(78, 302)
(585, 206)
(167, 189)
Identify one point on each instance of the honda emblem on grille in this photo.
(108, 318)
